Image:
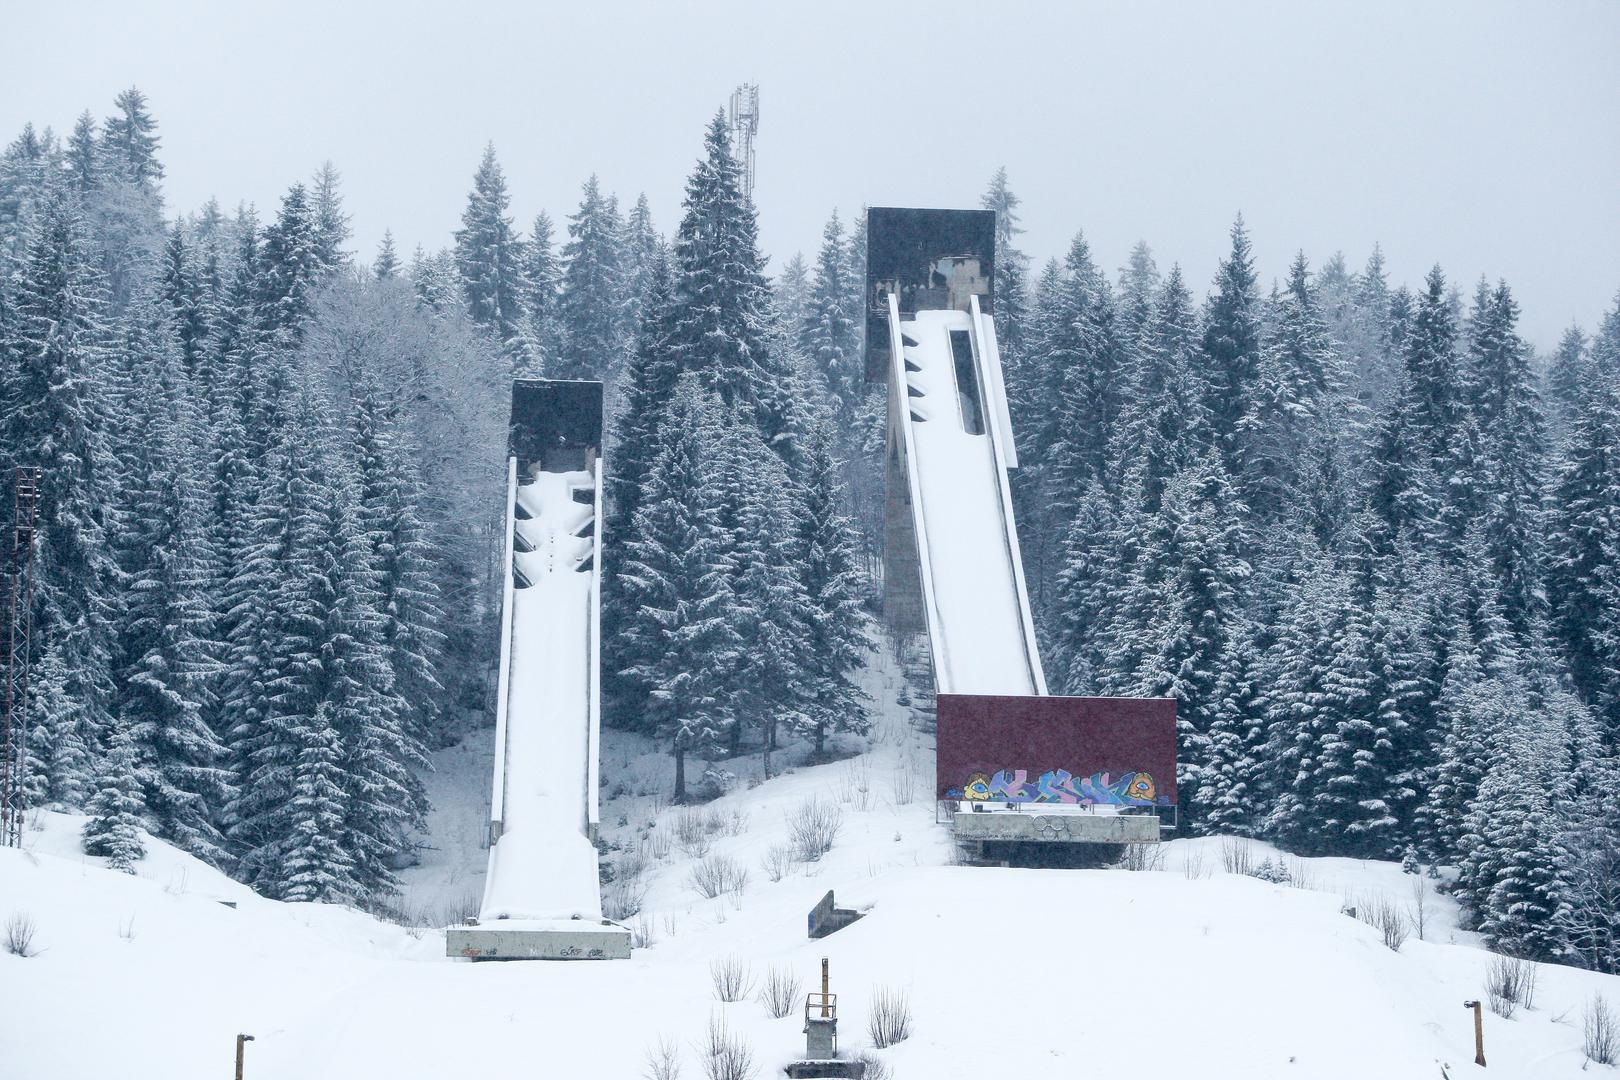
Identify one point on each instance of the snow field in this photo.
(1184, 967)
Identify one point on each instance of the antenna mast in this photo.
(744, 126)
(19, 651)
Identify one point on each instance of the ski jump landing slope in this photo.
(958, 445)
(541, 898)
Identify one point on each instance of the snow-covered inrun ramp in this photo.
(952, 418)
(541, 896)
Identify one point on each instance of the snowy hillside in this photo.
(1183, 968)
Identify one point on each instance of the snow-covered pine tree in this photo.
(722, 299)
(1012, 268)
(1583, 566)
(831, 333)
(386, 266)
(593, 304)
(678, 633)
(115, 823)
(833, 584)
(290, 268)
(331, 221)
(1232, 345)
(54, 420)
(168, 660)
(1295, 396)
(489, 254)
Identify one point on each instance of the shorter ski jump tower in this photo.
(1015, 766)
(541, 895)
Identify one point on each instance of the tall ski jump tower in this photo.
(541, 897)
(1015, 766)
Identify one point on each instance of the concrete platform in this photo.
(522, 939)
(1036, 826)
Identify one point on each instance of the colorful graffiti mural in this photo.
(1060, 786)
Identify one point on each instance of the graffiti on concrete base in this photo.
(1060, 786)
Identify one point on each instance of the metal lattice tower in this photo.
(744, 126)
(19, 651)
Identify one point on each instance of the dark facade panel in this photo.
(1107, 751)
(930, 259)
(556, 422)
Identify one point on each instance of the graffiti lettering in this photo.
(1060, 786)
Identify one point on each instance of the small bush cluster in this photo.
(717, 875)
(20, 932)
(780, 992)
(1510, 983)
(732, 978)
(1272, 870)
(813, 826)
(725, 1055)
(1600, 1032)
(888, 1021)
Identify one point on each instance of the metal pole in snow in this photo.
(1479, 1032)
(241, 1041)
(824, 986)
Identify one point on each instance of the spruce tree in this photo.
(1232, 346)
(592, 306)
(680, 638)
(386, 266)
(831, 333)
(115, 824)
(488, 253)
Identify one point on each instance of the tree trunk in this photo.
(680, 773)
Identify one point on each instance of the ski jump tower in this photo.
(541, 896)
(1015, 766)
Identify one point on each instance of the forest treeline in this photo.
(1364, 535)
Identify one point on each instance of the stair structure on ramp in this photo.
(1015, 766)
(541, 894)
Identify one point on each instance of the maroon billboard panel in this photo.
(1089, 751)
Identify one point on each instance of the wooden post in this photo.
(1479, 1032)
(241, 1041)
(824, 987)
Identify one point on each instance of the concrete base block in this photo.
(511, 939)
(839, 1067)
(1034, 826)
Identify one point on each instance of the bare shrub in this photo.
(126, 929)
(876, 1067)
(725, 1055)
(813, 826)
(1510, 983)
(20, 930)
(778, 861)
(1418, 910)
(622, 898)
(717, 875)
(903, 783)
(659, 844)
(663, 1060)
(733, 824)
(1237, 855)
(693, 832)
(1192, 867)
(732, 978)
(1298, 875)
(888, 1021)
(1600, 1032)
(857, 786)
(1384, 915)
(641, 932)
(780, 992)
(1142, 857)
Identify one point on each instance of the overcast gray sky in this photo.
(1484, 136)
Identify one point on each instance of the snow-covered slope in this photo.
(1187, 968)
